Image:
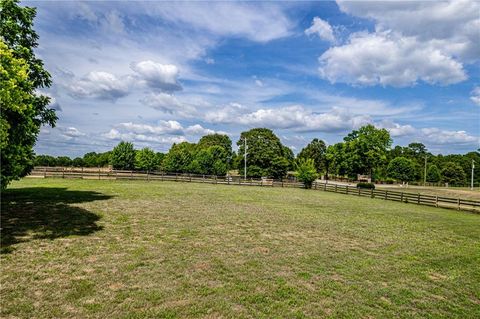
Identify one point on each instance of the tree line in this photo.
(366, 151)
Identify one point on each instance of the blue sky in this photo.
(155, 73)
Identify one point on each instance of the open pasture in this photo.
(137, 249)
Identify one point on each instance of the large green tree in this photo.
(179, 158)
(453, 174)
(23, 110)
(366, 149)
(266, 155)
(216, 140)
(316, 150)
(123, 156)
(146, 160)
(402, 169)
(433, 174)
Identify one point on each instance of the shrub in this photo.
(366, 185)
(306, 172)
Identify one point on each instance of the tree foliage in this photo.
(433, 174)
(179, 158)
(453, 174)
(23, 110)
(316, 150)
(266, 156)
(123, 156)
(366, 149)
(402, 169)
(306, 171)
(146, 160)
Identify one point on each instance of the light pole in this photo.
(473, 168)
(245, 157)
(425, 173)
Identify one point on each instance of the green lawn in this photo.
(126, 249)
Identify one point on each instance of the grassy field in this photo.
(125, 249)
(455, 192)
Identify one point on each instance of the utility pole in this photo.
(473, 168)
(245, 157)
(425, 172)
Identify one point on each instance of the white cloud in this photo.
(158, 76)
(439, 136)
(197, 129)
(163, 127)
(168, 103)
(115, 134)
(388, 59)
(397, 130)
(475, 95)
(165, 132)
(294, 117)
(256, 22)
(100, 85)
(413, 41)
(226, 114)
(451, 26)
(322, 28)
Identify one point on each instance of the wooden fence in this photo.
(405, 197)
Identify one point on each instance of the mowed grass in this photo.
(455, 192)
(126, 249)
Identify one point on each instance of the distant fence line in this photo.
(108, 174)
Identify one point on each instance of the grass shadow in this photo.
(45, 213)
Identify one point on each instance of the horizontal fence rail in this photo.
(108, 174)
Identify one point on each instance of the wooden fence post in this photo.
(401, 198)
(418, 199)
(371, 193)
(148, 176)
(347, 189)
(359, 191)
(176, 177)
(458, 201)
(63, 172)
(336, 188)
(325, 186)
(386, 195)
(436, 201)
(190, 177)
(99, 173)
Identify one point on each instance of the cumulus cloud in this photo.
(293, 117)
(163, 77)
(413, 41)
(100, 85)
(439, 136)
(321, 28)
(165, 132)
(397, 130)
(388, 59)
(451, 26)
(163, 127)
(115, 134)
(475, 95)
(69, 133)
